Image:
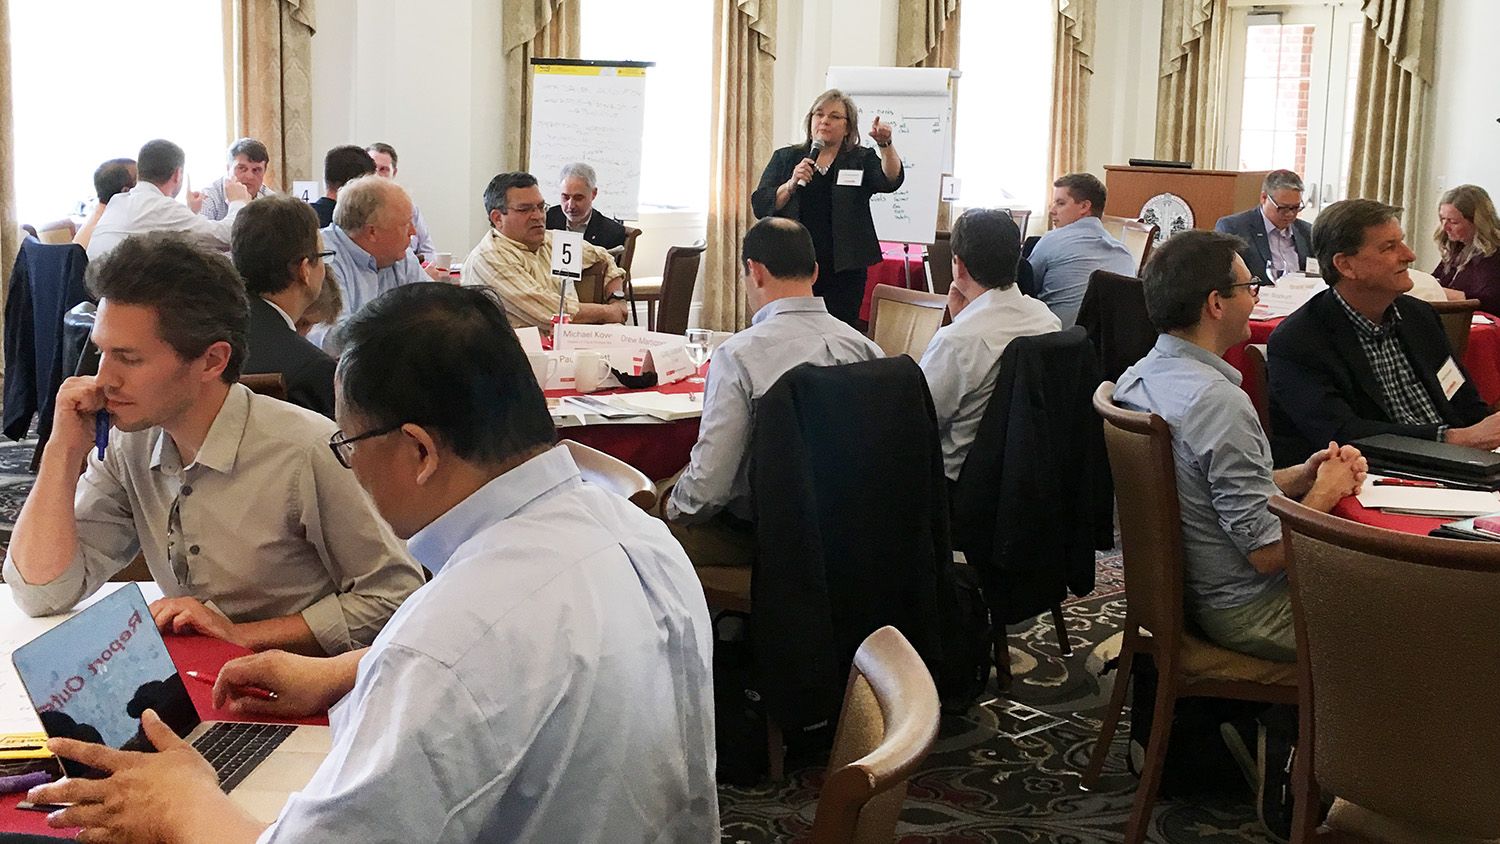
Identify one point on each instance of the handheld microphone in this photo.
(817, 147)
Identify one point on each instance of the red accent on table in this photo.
(889, 271)
(189, 653)
(1350, 509)
(659, 449)
(1481, 359)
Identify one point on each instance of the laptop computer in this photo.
(92, 676)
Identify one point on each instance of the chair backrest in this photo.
(903, 321)
(1397, 640)
(1458, 318)
(678, 275)
(1115, 225)
(590, 284)
(1140, 457)
(1114, 314)
(57, 231)
(1022, 219)
(28, 229)
(613, 474)
(1257, 385)
(266, 384)
(887, 725)
(1139, 238)
(628, 255)
(940, 263)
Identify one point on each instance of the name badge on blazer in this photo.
(851, 178)
(1450, 378)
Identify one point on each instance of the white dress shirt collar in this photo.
(290, 323)
(790, 305)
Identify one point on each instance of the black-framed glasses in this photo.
(1254, 286)
(1289, 209)
(342, 446)
(325, 254)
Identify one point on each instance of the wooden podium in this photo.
(1210, 194)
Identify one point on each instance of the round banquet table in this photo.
(1351, 509)
(890, 271)
(1481, 359)
(657, 448)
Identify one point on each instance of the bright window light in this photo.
(679, 38)
(92, 80)
(1004, 104)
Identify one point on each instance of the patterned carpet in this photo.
(1006, 771)
(1009, 769)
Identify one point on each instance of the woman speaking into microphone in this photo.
(825, 183)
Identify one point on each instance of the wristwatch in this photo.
(616, 296)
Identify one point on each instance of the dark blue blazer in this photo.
(1250, 227)
(46, 282)
(275, 347)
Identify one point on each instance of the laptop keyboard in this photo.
(235, 748)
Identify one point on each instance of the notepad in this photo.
(663, 406)
(1455, 503)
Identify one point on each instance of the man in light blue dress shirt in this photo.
(1065, 257)
(370, 238)
(551, 683)
(709, 509)
(1199, 295)
(963, 361)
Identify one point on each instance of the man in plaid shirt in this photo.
(1362, 358)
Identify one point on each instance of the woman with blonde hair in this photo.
(1468, 239)
(825, 183)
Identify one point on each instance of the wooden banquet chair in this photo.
(1458, 318)
(938, 265)
(1258, 385)
(1140, 455)
(1115, 225)
(887, 726)
(1397, 642)
(903, 321)
(672, 291)
(57, 231)
(1139, 238)
(271, 384)
(613, 474)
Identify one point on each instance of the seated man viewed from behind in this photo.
(252, 530)
(1199, 295)
(152, 206)
(248, 159)
(515, 258)
(1362, 358)
(371, 244)
(113, 177)
(552, 682)
(962, 362)
(579, 187)
(341, 165)
(1065, 257)
(709, 510)
(278, 251)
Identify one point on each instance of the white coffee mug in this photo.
(590, 370)
(543, 366)
(442, 260)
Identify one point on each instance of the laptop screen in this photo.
(92, 676)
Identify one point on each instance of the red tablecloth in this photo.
(189, 653)
(1481, 359)
(659, 449)
(1350, 509)
(889, 271)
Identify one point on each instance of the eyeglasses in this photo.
(342, 446)
(539, 208)
(1254, 286)
(1288, 209)
(325, 254)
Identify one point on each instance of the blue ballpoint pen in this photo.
(101, 431)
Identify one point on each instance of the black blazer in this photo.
(46, 281)
(1323, 388)
(603, 231)
(1250, 227)
(1034, 499)
(274, 347)
(854, 242)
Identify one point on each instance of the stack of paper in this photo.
(1426, 501)
(663, 406)
(1289, 293)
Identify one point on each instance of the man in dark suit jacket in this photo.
(579, 187)
(342, 164)
(1362, 358)
(1271, 229)
(278, 251)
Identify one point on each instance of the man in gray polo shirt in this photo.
(1199, 294)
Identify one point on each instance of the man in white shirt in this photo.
(384, 156)
(963, 361)
(248, 159)
(150, 205)
(709, 510)
(552, 682)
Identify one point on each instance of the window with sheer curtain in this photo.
(92, 80)
(678, 37)
(1004, 103)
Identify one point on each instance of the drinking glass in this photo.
(697, 347)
